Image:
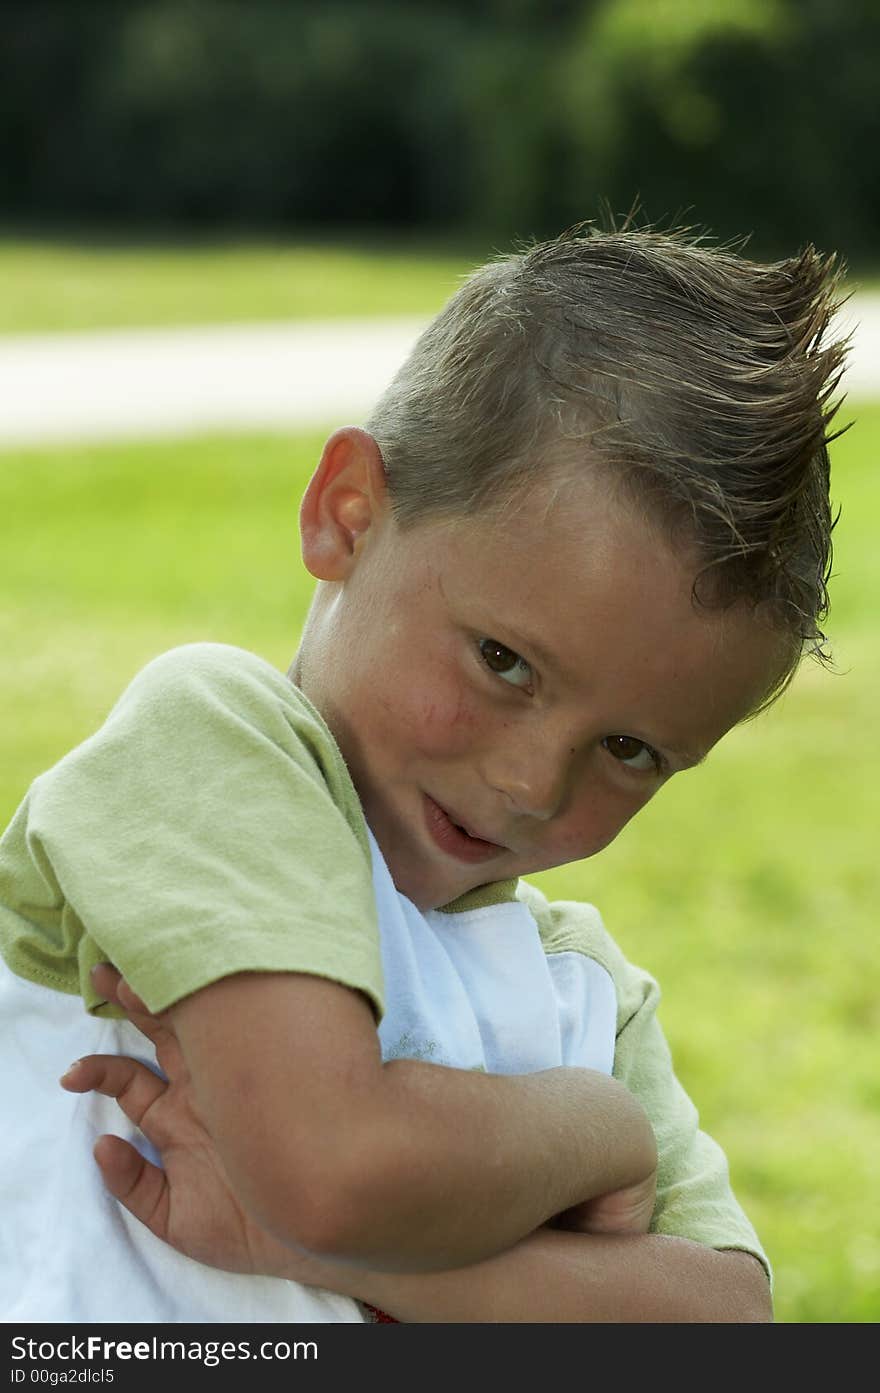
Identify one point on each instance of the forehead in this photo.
(551, 549)
(601, 602)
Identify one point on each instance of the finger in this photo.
(135, 1087)
(106, 979)
(114, 987)
(138, 1185)
(133, 1004)
(111, 984)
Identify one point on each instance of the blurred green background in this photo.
(208, 161)
(495, 118)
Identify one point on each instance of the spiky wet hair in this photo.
(700, 381)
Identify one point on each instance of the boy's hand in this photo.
(190, 1204)
(619, 1212)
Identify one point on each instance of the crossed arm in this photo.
(368, 1168)
(402, 1165)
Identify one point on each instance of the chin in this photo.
(423, 893)
(424, 898)
(406, 883)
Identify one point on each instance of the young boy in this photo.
(585, 533)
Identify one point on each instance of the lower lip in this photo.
(453, 840)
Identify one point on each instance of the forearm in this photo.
(470, 1163)
(403, 1166)
(447, 1167)
(562, 1278)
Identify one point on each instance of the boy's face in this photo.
(508, 694)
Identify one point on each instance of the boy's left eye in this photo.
(634, 753)
(505, 663)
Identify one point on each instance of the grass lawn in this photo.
(49, 286)
(59, 286)
(749, 887)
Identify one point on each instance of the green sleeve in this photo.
(209, 827)
(694, 1195)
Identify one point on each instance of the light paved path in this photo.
(157, 382)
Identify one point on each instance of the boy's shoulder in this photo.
(212, 698)
(221, 666)
(195, 680)
(214, 796)
(573, 926)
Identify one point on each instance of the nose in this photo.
(533, 778)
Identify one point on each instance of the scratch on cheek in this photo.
(465, 714)
(447, 713)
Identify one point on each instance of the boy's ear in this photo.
(346, 495)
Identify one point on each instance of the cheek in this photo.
(434, 715)
(446, 720)
(599, 815)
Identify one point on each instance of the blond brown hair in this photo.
(699, 379)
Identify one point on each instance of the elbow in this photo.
(321, 1204)
(713, 1286)
(746, 1293)
(756, 1309)
(757, 1306)
(332, 1220)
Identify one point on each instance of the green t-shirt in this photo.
(214, 783)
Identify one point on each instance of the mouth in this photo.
(455, 839)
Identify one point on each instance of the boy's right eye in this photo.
(505, 663)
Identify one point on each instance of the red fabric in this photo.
(380, 1317)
